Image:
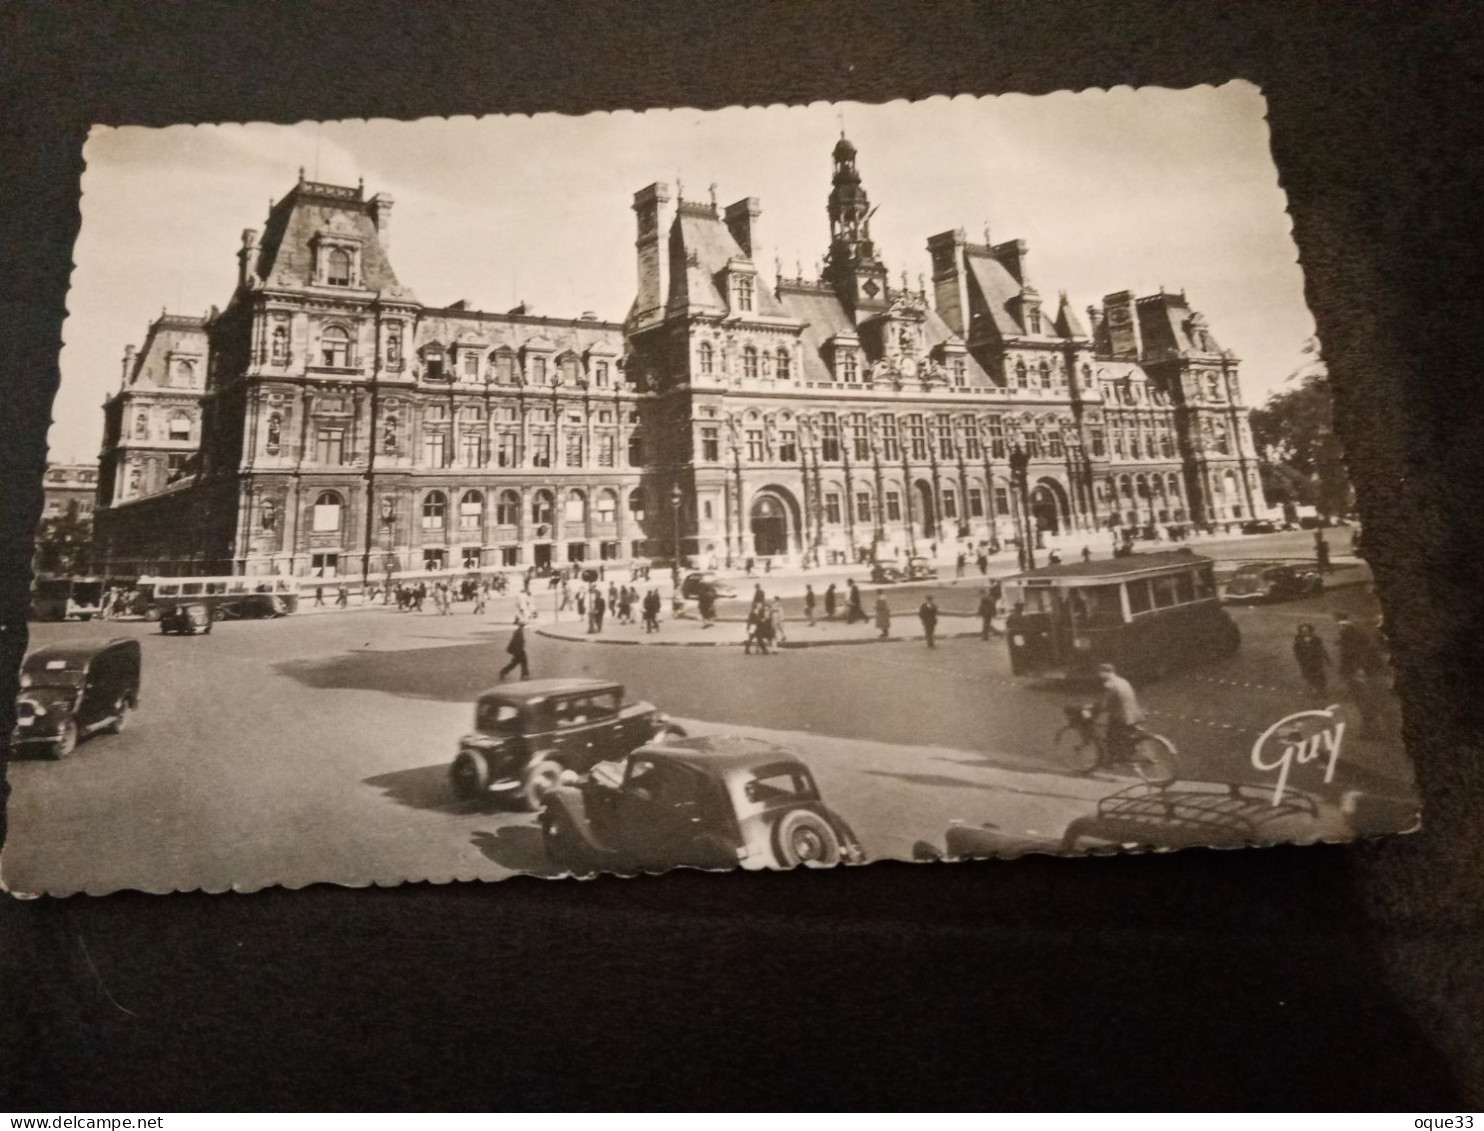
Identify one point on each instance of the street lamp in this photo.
(1019, 459)
(675, 496)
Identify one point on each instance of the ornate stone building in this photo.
(345, 427)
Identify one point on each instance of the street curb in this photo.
(787, 644)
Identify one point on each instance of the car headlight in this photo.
(1082, 643)
(37, 709)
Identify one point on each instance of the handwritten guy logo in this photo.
(1300, 738)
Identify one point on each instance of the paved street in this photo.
(316, 747)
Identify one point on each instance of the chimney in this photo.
(950, 286)
(381, 216)
(128, 366)
(1121, 315)
(653, 213)
(742, 221)
(246, 255)
(1011, 255)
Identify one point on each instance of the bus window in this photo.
(1164, 591)
(1138, 596)
(1205, 583)
(1098, 602)
(216, 588)
(167, 590)
(238, 587)
(1184, 588)
(191, 589)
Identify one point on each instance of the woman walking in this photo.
(883, 615)
(1312, 658)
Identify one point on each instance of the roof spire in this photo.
(987, 241)
(713, 196)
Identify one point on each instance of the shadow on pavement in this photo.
(517, 847)
(426, 787)
(939, 780)
(454, 673)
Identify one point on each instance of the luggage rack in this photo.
(1190, 813)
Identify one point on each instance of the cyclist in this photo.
(1125, 715)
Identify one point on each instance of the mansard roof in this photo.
(491, 332)
(1066, 322)
(1169, 327)
(993, 291)
(701, 247)
(286, 254)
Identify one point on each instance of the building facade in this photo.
(345, 427)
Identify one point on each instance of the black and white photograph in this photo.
(765, 487)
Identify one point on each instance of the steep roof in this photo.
(823, 315)
(1166, 324)
(1067, 324)
(701, 246)
(992, 291)
(285, 255)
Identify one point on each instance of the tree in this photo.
(1300, 458)
(62, 543)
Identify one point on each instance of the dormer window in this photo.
(432, 363)
(394, 347)
(538, 370)
(337, 267)
(570, 370)
(600, 374)
(849, 368)
(1035, 321)
(744, 292)
(960, 372)
(471, 365)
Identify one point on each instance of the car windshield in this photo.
(52, 673)
(494, 717)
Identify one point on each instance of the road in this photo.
(316, 747)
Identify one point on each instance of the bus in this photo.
(65, 598)
(1146, 614)
(161, 593)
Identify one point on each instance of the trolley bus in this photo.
(161, 593)
(1147, 614)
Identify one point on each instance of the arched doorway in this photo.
(1048, 506)
(772, 521)
(927, 510)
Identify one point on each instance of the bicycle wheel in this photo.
(1074, 752)
(1154, 759)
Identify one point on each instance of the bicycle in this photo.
(1082, 747)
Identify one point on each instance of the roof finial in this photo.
(713, 196)
(905, 280)
(987, 241)
(778, 269)
(301, 174)
(361, 185)
(922, 284)
(841, 116)
(798, 269)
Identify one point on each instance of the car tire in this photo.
(804, 837)
(470, 774)
(218, 613)
(120, 715)
(540, 780)
(666, 735)
(153, 614)
(66, 741)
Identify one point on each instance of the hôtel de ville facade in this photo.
(328, 420)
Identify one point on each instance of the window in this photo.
(744, 292)
(832, 508)
(997, 437)
(510, 555)
(471, 557)
(1138, 596)
(636, 450)
(756, 450)
(606, 509)
(337, 267)
(504, 368)
(141, 426)
(788, 446)
(435, 449)
(280, 345)
(890, 450)
(894, 506)
(1001, 500)
(749, 363)
(973, 449)
(433, 365)
(541, 449)
(1045, 371)
(976, 502)
(576, 442)
(394, 347)
(434, 558)
(506, 446)
(1035, 321)
(180, 426)
(600, 374)
(860, 436)
(326, 518)
(175, 465)
(471, 364)
(576, 509)
(569, 370)
(1223, 438)
(1099, 442)
(849, 368)
(1213, 386)
(435, 510)
(324, 565)
(947, 449)
(471, 511)
(1054, 447)
(1021, 381)
(542, 506)
(636, 505)
(538, 370)
(474, 448)
(863, 506)
(960, 372)
(335, 347)
(708, 512)
(330, 446)
(707, 357)
(711, 444)
(1120, 447)
(784, 365)
(507, 508)
(916, 437)
(950, 503)
(829, 437)
(1166, 440)
(607, 450)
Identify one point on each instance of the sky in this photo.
(1112, 190)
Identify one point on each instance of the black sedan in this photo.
(1273, 581)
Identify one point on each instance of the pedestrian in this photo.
(1087, 553)
(319, 590)
(927, 612)
(613, 597)
(987, 605)
(883, 615)
(750, 564)
(809, 603)
(829, 602)
(342, 596)
(750, 633)
(517, 651)
(706, 606)
(419, 595)
(481, 592)
(854, 611)
(775, 616)
(1312, 657)
(983, 565)
(599, 608)
(1321, 552)
(652, 610)
(959, 564)
(1362, 667)
(758, 598)
(766, 631)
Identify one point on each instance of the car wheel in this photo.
(218, 613)
(540, 780)
(66, 741)
(152, 614)
(470, 774)
(120, 715)
(666, 735)
(803, 837)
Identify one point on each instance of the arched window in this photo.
(707, 357)
(185, 375)
(576, 508)
(749, 363)
(542, 505)
(785, 365)
(507, 509)
(327, 512)
(335, 347)
(280, 345)
(1125, 487)
(337, 267)
(1173, 481)
(471, 511)
(606, 507)
(435, 510)
(180, 426)
(1045, 376)
(1021, 380)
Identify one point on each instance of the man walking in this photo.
(342, 596)
(517, 650)
(1321, 552)
(599, 608)
(809, 604)
(829, 602)
(1312, 657)
(854, 611)
(927, 612)
(987, 605)
(1361, 666)
(883, 613)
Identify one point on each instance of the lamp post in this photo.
(1019, 459)
(675, 496)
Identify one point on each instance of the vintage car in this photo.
(1272, 581)
(254, 606)
(74, 689)
(1260, 526)
(691, 586)
(185, 619)
(526, 734)
(710, 802)
(915, 569)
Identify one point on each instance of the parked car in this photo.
(915, 569)
(1260, 526)
(254, 606)
(1272, 581)
(693, 583)
(711, 802)
(71, 690)
(526, 734)
(185, 620)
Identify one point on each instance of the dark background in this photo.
(1323, 977)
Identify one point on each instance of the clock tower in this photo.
(852, 267)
